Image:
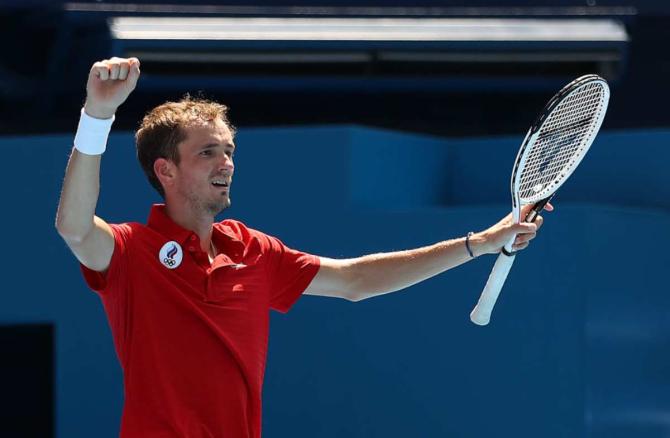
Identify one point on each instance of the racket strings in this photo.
(560, 141)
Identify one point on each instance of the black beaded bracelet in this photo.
(467, 244)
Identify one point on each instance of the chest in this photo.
(235, 280)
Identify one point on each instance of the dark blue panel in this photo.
(576, 346)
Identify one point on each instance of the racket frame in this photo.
(531, 137)
(481, 313)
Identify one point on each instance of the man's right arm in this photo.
(89, 237)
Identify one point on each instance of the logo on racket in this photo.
(171, 255)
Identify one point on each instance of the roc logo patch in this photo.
(171, 255)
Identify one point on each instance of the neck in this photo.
(198, 222)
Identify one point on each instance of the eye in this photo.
(206, 153)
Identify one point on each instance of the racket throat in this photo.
(537, 208)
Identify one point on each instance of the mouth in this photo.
(221, 183)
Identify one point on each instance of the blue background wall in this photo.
(577, 346)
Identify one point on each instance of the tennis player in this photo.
(188, 298)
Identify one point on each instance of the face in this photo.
(204, 174)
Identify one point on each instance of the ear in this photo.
(165, 171)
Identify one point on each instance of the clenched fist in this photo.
(110, 82)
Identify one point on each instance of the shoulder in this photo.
(133, 233)
(239, 230)
(129, 229)
(251, 237)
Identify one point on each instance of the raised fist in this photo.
(110, 82)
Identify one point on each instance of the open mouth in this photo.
(221, 183)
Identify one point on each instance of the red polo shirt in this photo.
(192, 337)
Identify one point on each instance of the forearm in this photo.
(378, 274)
(79, 196)
(81, 187)
(368, 276)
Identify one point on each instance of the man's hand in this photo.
(491, 240)
(110, 82)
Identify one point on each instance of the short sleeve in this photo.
(103, 282)
(290, 273)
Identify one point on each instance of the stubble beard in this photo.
(214, 208)
(208, 206)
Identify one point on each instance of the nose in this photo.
(227, 165)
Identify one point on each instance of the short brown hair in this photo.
(162, 130)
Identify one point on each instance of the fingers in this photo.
(524, 227)
(519, 247)
(133, 71)
(100, 70)
(525, 232)
(524, 238)
(116, 69)
(110, 82)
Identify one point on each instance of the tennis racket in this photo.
(553, 148)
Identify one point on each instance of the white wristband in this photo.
(91, 137)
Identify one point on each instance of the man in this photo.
(188, 299)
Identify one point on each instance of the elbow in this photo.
(356, 290)
(354, 297)
(72, 239)
(69, 233)
(344, 279)
(362, 282)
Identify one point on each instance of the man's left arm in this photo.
(377, 274)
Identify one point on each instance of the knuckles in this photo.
(115, 63)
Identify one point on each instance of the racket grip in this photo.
(481, 314)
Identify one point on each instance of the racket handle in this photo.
(481, 314)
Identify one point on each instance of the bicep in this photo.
(334, 279)
(95, 250)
